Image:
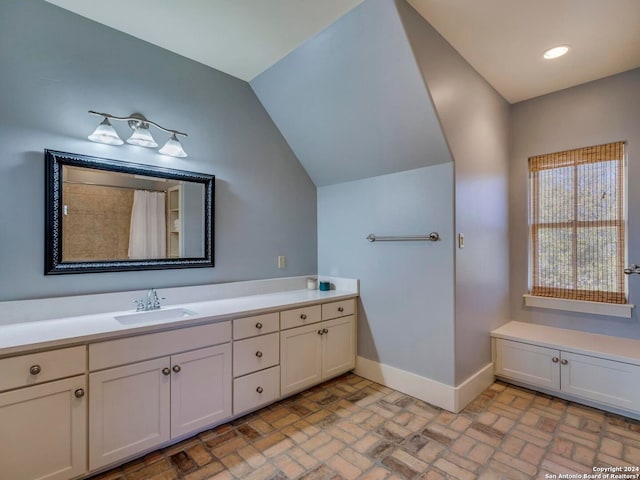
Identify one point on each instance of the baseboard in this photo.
(436, 393)
(473, 386)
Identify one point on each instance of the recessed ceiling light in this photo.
(556, 52)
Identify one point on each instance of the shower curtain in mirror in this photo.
(147, 236)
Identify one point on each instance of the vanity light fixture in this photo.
(556, 52)
(105, 133)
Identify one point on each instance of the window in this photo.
(577, 224)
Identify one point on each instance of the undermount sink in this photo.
(155, 315)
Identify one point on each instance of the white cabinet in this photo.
(128, 410)
(338, 346)
(527, 363)
(142, 405)
(43, 431)
(300, 358)
(256, 358)
(200, 388)
(137, 407)
(316, 352)
(43, 420)
(599, 381)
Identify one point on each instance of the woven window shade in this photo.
(577, 225)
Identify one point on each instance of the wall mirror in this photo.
(106, 215)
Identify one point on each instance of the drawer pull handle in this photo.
(340, 309)
(176, 368)
(258, 325)
(166, 371)
(321, 332)
(325, 331)
(79, 393)
(35, 370)
(555, 359)
(303, 316)
(259, 354)
(259, 389)
(564, 361)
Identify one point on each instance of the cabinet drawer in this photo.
(255, 354)
(300, 316)
(42, 367)
(144, 347)
(338, 309)
(257, 389)
(258, 325)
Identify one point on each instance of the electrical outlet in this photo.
(281, 261)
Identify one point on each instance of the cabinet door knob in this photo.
(303, 316)
(320, 332)
(166, 371)
(340, 309)
(324, 330)
(259, 354)
(259, 389)
(258, 325)
(79, 393)
(564, 361)
(555, 359)
(176, 368)
(35, 370)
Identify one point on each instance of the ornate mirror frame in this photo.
(53, 264)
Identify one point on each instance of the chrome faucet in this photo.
(152, 302)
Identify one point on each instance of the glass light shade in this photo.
(173, 147)
(105, 133)
(142, 137)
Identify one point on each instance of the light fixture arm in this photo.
(138, 120)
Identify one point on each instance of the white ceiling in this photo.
(239, 37)
(502, 39)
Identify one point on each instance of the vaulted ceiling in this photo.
(502, 39)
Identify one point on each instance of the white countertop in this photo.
(619, 349)
(25, 336)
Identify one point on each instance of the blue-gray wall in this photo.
(56, 65)
(354, 107)
(475, 121)
(603, 111)
(351, 102)
(405, 317)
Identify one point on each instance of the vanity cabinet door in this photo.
(43, 431)
(300, 358)
(338, 346)
(200, 388)
(129, 410)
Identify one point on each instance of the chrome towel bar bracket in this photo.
(431, 237)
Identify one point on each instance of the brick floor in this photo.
(350, 428)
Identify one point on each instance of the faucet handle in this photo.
(139, 305)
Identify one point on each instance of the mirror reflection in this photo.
(118, 216)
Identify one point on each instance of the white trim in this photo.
(582, 306)
(439, 394)
(473, 386)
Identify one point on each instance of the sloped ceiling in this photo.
(239, 37)
(351, 101)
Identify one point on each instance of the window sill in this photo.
(582, 306)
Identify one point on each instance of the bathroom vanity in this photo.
(127, 383)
